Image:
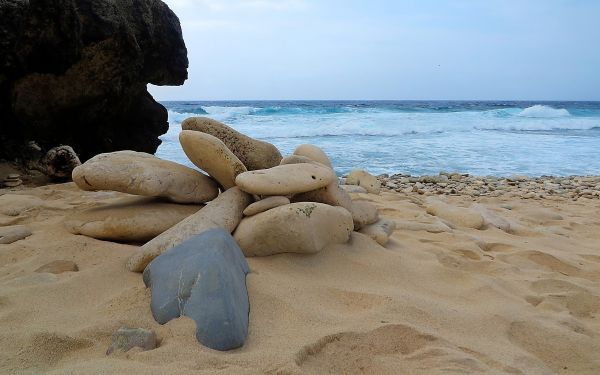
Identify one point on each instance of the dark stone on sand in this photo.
(125, 339)
(203, 278)
(74, 72)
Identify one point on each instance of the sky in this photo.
(389, 50)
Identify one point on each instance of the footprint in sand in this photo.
(557, 346)
(538, 260)
(393, 348)
(562, 295)
(349, 302)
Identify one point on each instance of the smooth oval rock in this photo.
(294, 228)
(457, 216)
(285, 179)
(139, 173)
(314, 153)
(58, 266)
(130, 219)
(266, 204)
(212, 156)
(330, 194)
(203, 278)
(254, 154)
(365, 180)
(223, 212)
(363, 213)
(379, 231)
(13, 233)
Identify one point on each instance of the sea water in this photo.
(415, 137)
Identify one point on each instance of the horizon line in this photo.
(384, 100)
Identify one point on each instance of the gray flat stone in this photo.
(203, 278)
(125, 339)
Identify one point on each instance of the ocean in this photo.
(415, 137)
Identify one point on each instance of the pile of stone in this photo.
(521, 186)
(272, 205)
(12, 180)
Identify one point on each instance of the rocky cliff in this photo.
(75, 72)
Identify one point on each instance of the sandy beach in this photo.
(520, 295)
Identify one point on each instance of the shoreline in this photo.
(444, 183)
(453, 183)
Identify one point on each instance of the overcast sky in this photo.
(376, 49)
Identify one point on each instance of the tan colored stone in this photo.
(139, 173)
(297, 159)
(212, 156)
(254, 154)
(363, 213)
(294, 228)
(58, 266)
(330, 194)
(379, 231)
(13, 233)
(353, 189)
(456, 216)
(130, 219)
(285, 179)
(223, 212)
(365, 180)
(266, 204)
(314, 153)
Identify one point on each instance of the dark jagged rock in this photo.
(74, 72)
(203, 278)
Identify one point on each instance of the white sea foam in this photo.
(544, 111)
(535, 140)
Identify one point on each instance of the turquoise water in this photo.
(416, 137)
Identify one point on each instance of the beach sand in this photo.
(435, 300)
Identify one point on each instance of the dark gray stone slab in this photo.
(203, 278)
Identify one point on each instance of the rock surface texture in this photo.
(331, 194)
(365, 180)
(203, 278)
(363, 213)
(144, 174)
(285, 179)
(266, 204)
(223, 212)
(254, 154)
(212, 156)
(74, 72)
(294, 228)
(13, 233)
(314, 153)
(380, 231)
(131, 219)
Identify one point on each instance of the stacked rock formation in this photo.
(194, 258)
